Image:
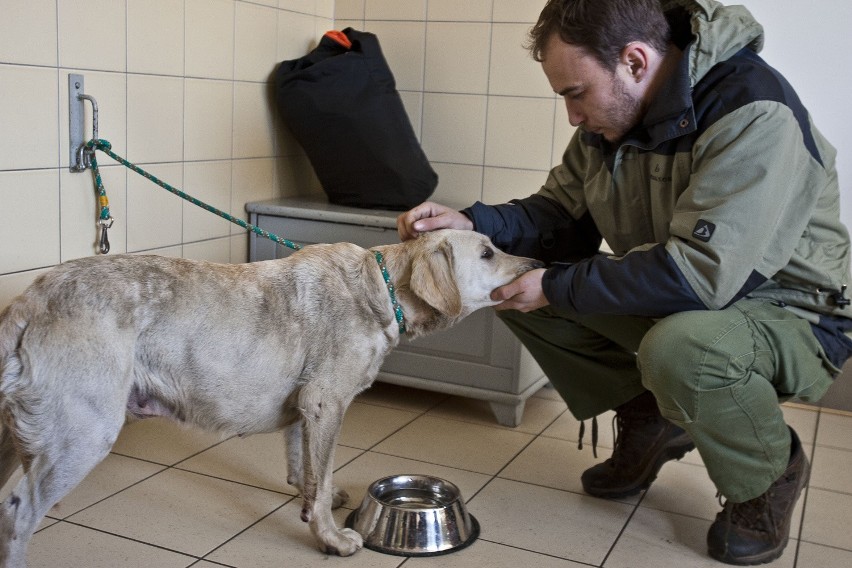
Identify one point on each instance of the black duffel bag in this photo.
(341, 103)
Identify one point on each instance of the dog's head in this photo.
(455, 271)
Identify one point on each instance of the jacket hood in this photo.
(718, 32)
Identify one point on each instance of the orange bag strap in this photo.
(339, 37)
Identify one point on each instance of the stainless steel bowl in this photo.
(414, 515)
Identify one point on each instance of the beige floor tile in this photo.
(539, 413)
(70, 546)
(401, 398)
(182, 511)
(685, 489)
(814, 555)
(162, 441)
(366, 425)
(110, 476)
(556, 523)
(666, 540)
(482, 554)
(553, 463)
(456, 444)
(548, 392)
(834, 430)
(566, 427)
(357, 476)
(832, 469)
(282, 539)
(257, 460)
(827, 517)
(803, 420)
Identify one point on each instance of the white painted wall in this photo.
(806, 41)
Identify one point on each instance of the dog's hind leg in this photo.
(321, 428)
(77, 441)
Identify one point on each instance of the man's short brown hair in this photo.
(603, 27)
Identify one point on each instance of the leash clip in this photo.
(103, 244)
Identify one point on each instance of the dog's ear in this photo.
(433, 280)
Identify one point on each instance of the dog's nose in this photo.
(536, 264)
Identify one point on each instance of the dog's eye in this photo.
(487, 253)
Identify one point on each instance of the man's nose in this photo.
(575, 117)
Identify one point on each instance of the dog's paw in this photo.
(339, 497)
(344, 542)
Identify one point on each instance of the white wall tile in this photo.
(209, 182)
(239, 249)
(256, 42)
(457, 57)
(252, 180)
(396, 9)
(154, 215)
(349, 9)
(29, 219)
(29, 117)
(513, 70)
(208, 121)
(402, 44)
(155, 36)
(28, 32)
(154, 118)
(210, 39)
(254, 134)
(455, 11)
(454, 127)
(297, 35)
(504, 184)
(459, 185)
(218, 250)
(520, 133)
(92, 34)
(80, 234)
(303, 6)
(562, 132)
(295, 176)
(514, 11)
(12, 285)
(325, 9)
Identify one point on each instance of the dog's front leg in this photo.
(321, 428)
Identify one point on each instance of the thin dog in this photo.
(238, 349)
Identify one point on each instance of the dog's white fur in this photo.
(238, 349)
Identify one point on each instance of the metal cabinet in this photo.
(478, 358)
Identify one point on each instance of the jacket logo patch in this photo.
(703, 230)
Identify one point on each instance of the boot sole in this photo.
(648, 476)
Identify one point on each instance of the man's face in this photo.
(597, 99)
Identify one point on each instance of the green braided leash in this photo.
(105, 220)
(103, 202)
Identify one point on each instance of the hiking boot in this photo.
(644, 442)
(756, 532)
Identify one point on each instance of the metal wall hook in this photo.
(79, 154)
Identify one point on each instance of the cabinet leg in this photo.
(508, 414)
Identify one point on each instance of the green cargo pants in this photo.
(719, 375)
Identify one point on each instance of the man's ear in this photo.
(433, 280)
(634, 59)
